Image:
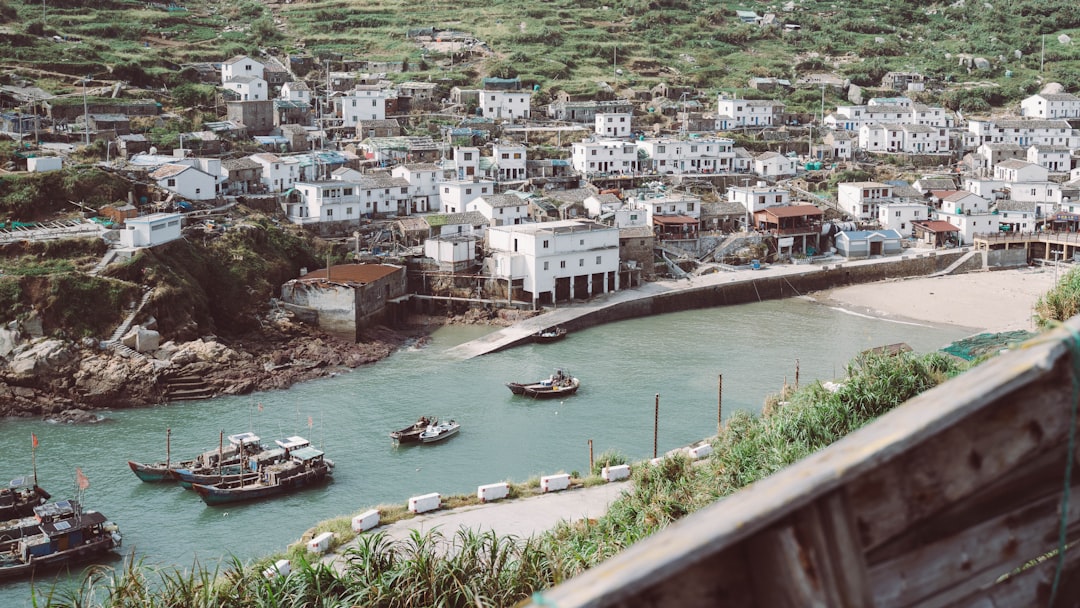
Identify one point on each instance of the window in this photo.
(329, 213)
(515, 244)
(346, 191)
(348, 211)
(468, 190)
(545, 243)
(467, 155)
(689, 206)
(779, 198)
(171, 183)
(581, 242)
(545, 265)
(581, 262)
(506, 156)
(562, 264)
(598, 259)
(897, 214)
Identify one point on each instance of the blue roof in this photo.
(858, 235)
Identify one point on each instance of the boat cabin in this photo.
(62, 535)
(56, 511)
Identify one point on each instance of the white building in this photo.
(751, 112)
(665, 204)
(505, 105)
(555, 261)
(189, 182)
(861, 199)
(384, 195)
(611, 124)
(467, 162)
(423, 180)
(1051, 105)
(1055, 159)
(1024, 132)
(604, 156)
(279, 173)
(296, 90)
(774, 164)
(241, 65)
(758, 197)
(455, 195)
(365, 102)
(1017, 216)
(248, 88)
(511, 162)
(676, 156)
(899, 216)
(323, 201)
(1019, 171)
(150, 230)
(501, 209)
(968, 212)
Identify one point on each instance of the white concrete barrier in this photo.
(699, 452)
(321, 543)
(281, 567)
(365, 521)
(615, 473)
(656, 461)
(554, 483)
(493, 491)
(425, 502)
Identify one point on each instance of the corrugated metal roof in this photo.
(351, 273)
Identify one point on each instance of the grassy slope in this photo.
(563, 44)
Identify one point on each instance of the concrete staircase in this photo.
(186, 388)
(957, 264)
(106, 259)
(114, 340)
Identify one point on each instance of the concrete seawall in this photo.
(719, 289)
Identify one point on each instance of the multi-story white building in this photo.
(241, 65)
(1017, 216)
(968, 212)
(501, 209)
(1024, 132)
(323, 201)
(751, 112)
(604, 156)
(774, 164)
(423, 180)
(899, 216)
(757, 197)
(187, 181)
(296, 90)
(1020, 171)
(660, 204)
(888, 111)
(384, 195)
(698, 155)
(906, 138)
(1051, 105)
(505, 105)
(613, 124)
(1055, 159)
(467, 162)
(279, 173)
(455, 195)
(555, 261)
(861, 199)
(511, 162)
(248, 88)
(365, 102)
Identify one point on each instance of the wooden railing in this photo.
(953, 498)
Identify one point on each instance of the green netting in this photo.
(976, 346)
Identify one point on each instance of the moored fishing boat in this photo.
(64, 534)
(559, 384)
(439, 432)
(411, 434)
(551, 334)
(20, 497)
(240, 446)
(301, 465)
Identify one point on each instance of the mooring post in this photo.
(656, 424)
(590, 457)
(719, 404)
(796, 374)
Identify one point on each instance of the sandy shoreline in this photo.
(997, 301)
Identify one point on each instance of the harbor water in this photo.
(622, 367)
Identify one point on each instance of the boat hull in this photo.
(441, 436)
(11, 570)
(186, 478)
(150, 473)
(215, 495)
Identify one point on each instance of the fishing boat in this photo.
(20, 497)
(247, 448)
(551, 334)
(235, 452)
(411, 434)
(64, 534)
(559, 384)
(439, 432)
(301, 465)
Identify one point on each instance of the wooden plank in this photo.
(783, 570)
(961, 460)
(972, 558)
(850, 575)
(720, 581)
(1040, 477)
(1030, 587)
(720, 527)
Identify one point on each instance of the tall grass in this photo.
(470, 569)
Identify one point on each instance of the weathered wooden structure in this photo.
(959, 497)
(1045, 245)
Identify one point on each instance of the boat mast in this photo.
(168, 437)
(220, 449)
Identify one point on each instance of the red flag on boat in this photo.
(260, 407)
(81, 479)
(309, 422)
(33, 439)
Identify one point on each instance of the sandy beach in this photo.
(995, 301)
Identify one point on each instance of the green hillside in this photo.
(562, 44)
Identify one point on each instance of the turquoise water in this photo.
(622, 367)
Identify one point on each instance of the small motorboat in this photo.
(551, 334)
(411, 434)
(440, 431)
(559, 384)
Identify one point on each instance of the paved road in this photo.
(521, 518)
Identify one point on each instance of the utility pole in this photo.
(86, 112)
(656, 424)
